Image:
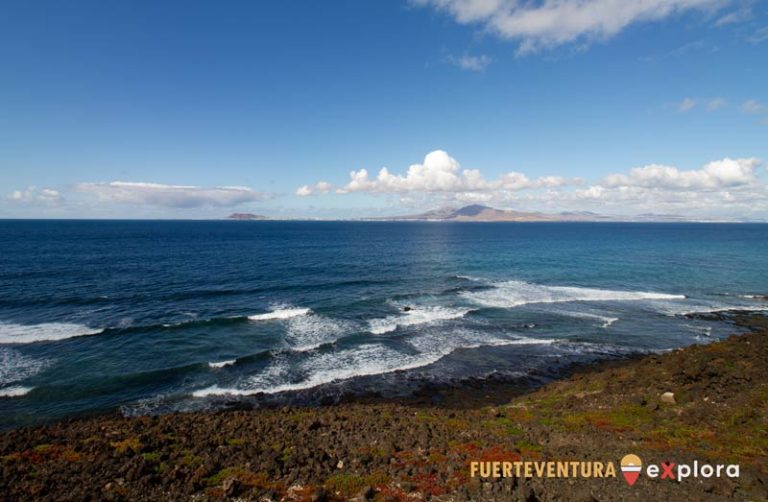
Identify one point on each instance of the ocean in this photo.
(161, 316)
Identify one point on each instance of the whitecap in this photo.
(15, 391)
(510, 294)
(11, 333)
(417, 315)
(282, 313)
(15, 366)
(309, 332)
(366, 360)
(221, 364)
(604, 321)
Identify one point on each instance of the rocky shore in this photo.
(717, 413)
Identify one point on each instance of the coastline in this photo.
(420, 448)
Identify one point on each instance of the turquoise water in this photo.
(156, 316)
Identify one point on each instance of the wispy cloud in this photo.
(753, 107)
(469, 63)
(716, 104)
(698, 45)
(759, 36)
(709, 104)
(742, 13)
(551, 23)
(170, 196)
(686, 105)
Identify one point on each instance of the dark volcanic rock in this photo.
(421, 449)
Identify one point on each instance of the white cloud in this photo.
(719, 174)
(440, 173)
(711, 104)
(686, 105)
(716, 104)
(470, 63)
(743, 13)
(753, 107)
(726, 187)
(683, 50)
(172, 196)
(550, 23)
(759, 36)
(320, 187)
(33, 195)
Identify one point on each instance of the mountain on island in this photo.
(477, 212)
(480, 213)
(246, 217)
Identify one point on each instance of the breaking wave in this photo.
(365, 360)
(309, 332)
(414, 316)
(15, 391)
(221, 364)
(281, 313)
(510, 294)
(11, 333)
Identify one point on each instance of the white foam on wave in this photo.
(221, 364)
(673, 308)
(15, 366)
(15, 391)
(715, 310)
(372, 359)
(438, 345)
(311, 331)
(747, 296)
(11, 333)
(366, 360)
(280, 313)
(417, 315)
(604, 321)
(501, 342)
(510, 294)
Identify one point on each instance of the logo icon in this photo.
(631, 465)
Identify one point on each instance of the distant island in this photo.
(480, 213)
(245, 217)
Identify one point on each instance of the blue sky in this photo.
(197, 109)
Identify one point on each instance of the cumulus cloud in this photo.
(441, 173)
(730, 186)
(719, 174)
(550, 23)
(171, 196)
(33, 195)
(320, 187)
(470, 63)
(722, 187)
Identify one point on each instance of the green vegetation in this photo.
(132, 444)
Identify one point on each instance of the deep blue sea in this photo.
(157, 316)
